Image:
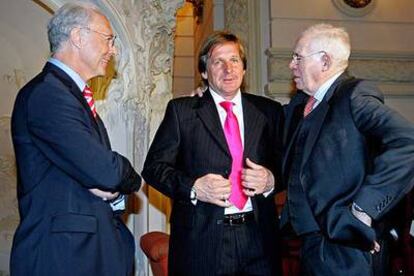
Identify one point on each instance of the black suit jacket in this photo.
(61, 152)
(190, 143)
(358, 151)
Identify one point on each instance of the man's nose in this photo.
(292, 64)
(228, 66)
(113, 50)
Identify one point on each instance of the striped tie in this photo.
(88, 94)
(309, 106)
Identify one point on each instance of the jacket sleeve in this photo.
(392, 172)
(160, 167)
(61, 129)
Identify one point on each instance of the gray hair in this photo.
(334, 41)
(67, 17)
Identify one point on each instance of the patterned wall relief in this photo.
(236, 15)
(244, 18)
(136, 99)
(393, 72)
(9, 216)
(16, 78)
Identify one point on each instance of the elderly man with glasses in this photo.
(348, 158)
(71, 184)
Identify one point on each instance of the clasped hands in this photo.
(216, 189)
(106, 196)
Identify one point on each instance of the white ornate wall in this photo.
(249, 20)
(24, 49)
(9, 216)
(132, 104)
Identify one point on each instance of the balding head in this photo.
(334, 41)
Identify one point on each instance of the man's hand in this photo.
(256, 179)
(104, 195)
(361, 215)
(199, 91)
(213, 188)
(376, 248)
(367, 220)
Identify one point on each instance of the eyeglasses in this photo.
(109, 38)
(296, 58)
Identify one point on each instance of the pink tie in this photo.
(88, 94)
(232, 133)
(309, 106)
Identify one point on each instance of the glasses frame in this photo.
(297, 58)
(109, 38)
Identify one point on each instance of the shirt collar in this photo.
(218, 98)
(72, 74)
(320, 94)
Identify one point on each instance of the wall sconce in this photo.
(355, 7)
(198, 6)
(358, 4)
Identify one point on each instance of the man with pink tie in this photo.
(218, 157)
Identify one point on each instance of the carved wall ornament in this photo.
(355, 7)
(9, 215)
(17, 77)
(392, 71)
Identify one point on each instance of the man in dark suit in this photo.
(70, 183)
(223, 220)
(349, 158)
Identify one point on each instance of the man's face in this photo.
(98, 47)
(225, 70)
(306, 67)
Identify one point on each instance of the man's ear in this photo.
(326, 62)
(204, 75)
(75, 37)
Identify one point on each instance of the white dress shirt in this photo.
(238, 112)
(321, 92)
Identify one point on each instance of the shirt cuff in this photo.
(268, 193)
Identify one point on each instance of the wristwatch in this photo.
(193, 194)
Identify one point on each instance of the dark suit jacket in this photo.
(358, 151)
(61, 152)
(190, 143)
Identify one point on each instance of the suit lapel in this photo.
(314, 130)
(292, 123)
(208, 114)
(102, 132)
(72, 88)
(323, 109)
(253, 124)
